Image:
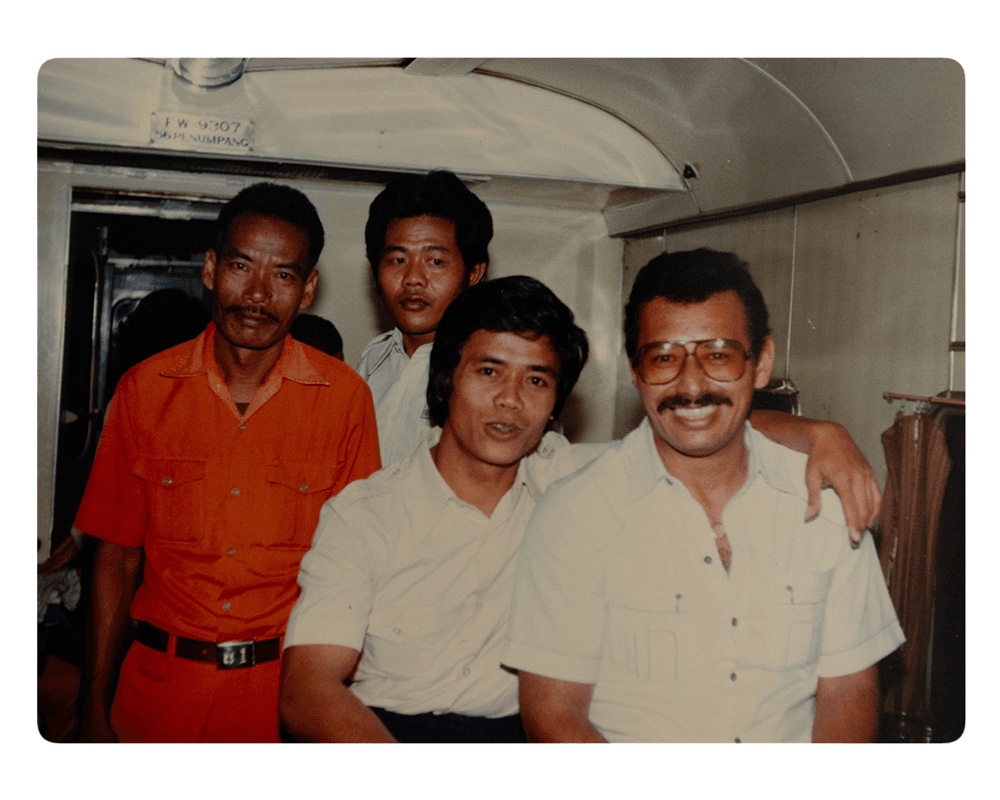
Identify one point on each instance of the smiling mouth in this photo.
(693, 407)
(502, 428)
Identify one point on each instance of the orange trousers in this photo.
(161, 698)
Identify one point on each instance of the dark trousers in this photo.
(450, 728)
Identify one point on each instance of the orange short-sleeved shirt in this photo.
(225, 506)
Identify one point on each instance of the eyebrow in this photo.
(398, 248)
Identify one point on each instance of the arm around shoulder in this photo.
(315, 703)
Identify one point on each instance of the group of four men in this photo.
(668, 587)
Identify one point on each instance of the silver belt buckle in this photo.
(234, 655)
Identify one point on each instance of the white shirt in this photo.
(420, 582)
(620, 585)
(399, 389)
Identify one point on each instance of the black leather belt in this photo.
(225, 655)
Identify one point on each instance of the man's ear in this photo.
(309, 290)
(476, 274)
(208, 270)
(765, 364)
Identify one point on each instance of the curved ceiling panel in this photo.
(374, 117)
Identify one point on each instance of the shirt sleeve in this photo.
(114, 503)
(556, 625)
(361, 448)
(860, 626)
(337, 579)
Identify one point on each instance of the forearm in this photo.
(789, 430)
(317, 706)
(114, 578)
(847, 708)
(556, 711)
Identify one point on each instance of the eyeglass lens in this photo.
(721, 359)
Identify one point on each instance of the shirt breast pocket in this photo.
(295, 492)
(175, 492)
(649, 646)
(785, 630)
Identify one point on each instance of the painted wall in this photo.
(859, 288)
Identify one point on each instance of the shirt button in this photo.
(167, 481)
(466, 672)
(732, 676)
(242, 428)
(230, 552)
(734, 622)
(304, 488)
(225, 606)
(235, 492)
(708, 559)
(737, 740)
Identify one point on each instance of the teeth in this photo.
(503, 428)
(697, 412)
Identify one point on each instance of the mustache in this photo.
(681, 401)
(237, 309)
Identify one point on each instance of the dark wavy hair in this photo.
(272, 200)
(517, 304)
(693, 276)
(437, 194)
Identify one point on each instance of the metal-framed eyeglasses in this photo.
(722, 360)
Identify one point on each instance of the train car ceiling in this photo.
(647, 141)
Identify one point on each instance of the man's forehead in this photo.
(529, 347)
(718, 314)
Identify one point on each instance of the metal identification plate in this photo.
(180, 131)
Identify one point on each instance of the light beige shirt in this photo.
(399, 390)
(420, 582)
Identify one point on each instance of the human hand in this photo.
(836, 461)
(61, 556)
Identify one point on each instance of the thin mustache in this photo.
(252, 310)
(680, 401)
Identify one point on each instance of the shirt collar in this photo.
(199, 359)
(435, 493)
(766, 459)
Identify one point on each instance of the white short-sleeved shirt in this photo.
(620, 585)
(420, 582)
(399, 389)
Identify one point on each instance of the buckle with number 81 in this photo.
(234, 655)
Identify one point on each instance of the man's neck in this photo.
(412, 341)
(244, 370)
(478, 484)
(713, 480)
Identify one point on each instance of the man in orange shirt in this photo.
(214, 461)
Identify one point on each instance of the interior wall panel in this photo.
(873, 303)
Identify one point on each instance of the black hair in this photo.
(517, 304)
(693, 276)
(272, 200)
(317, 332)
(438, 194)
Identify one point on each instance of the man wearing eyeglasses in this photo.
(672, 590)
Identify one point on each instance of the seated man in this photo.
(671, 591)
(407, 587)
(413, 569)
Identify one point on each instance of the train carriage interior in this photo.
(841, 181)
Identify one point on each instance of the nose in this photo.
(509, 394)
(692, 379)
(415, 274)
(258, 288)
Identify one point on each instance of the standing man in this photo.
(671, 591)
(407, 587)
(215, 459)
(426, 239)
